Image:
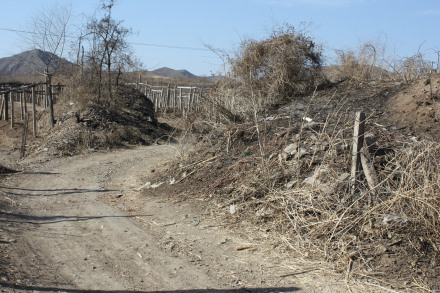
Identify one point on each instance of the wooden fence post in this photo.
(20, 97)
(11, 96)
(6, 99)
(180, 99)
(34, 119)
(358, 142)
(175, 98)
(2, 107)
(24, 135)
(169, 96)
(24, 102)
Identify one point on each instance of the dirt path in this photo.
(80, 224)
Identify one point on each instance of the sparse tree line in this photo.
(101, 49)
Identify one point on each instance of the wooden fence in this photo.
(173, 97)
(34, 94)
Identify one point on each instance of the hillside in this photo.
(172, 73)
(29, 63)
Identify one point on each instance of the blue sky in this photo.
(403, 25)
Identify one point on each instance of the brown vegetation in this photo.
(265, 73)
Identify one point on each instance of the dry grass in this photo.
(304, 196)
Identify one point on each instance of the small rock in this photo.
(119, 195)
(291, 149)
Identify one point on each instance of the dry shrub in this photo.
(363, 64)
(267, 72)
(413, 67)
(303, 195)
(316, 213)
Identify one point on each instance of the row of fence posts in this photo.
(35, 93)
(166, 98)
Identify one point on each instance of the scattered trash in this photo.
(148, 185)
(307, 119)
(232, 209)
(247, 154)
(269, 118)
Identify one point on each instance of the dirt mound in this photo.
(288, 179)
(95, 127)
(417, 107)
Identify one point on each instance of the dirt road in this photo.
(81, 224)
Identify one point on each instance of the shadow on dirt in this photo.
(241, 290)
(40, 220)
(49, 192)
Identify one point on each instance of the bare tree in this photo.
(49, 35)
(109, 49)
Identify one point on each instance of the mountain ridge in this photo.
(172, 73)
(30, 62)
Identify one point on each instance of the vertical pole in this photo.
(24, 101)
(6, 99)
(24, 135)
(11, 96)
(180, 99)
(169, 96)
(175, 98)
(358, 142)
(34, 119)
(21, 105)
(2, 108)
(50, 98)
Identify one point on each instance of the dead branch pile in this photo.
(292, 178)
(93, 127)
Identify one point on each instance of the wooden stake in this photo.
(6, 100)
(11, 96)
(2, 108)
(21, 106)
(24, 102)
(367, 166)
(358, 142)
(34, 119)
(24, 135)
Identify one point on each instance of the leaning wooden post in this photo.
(34, 119)
(358, 142)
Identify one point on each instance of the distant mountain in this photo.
(30, 63)
(168, 72)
